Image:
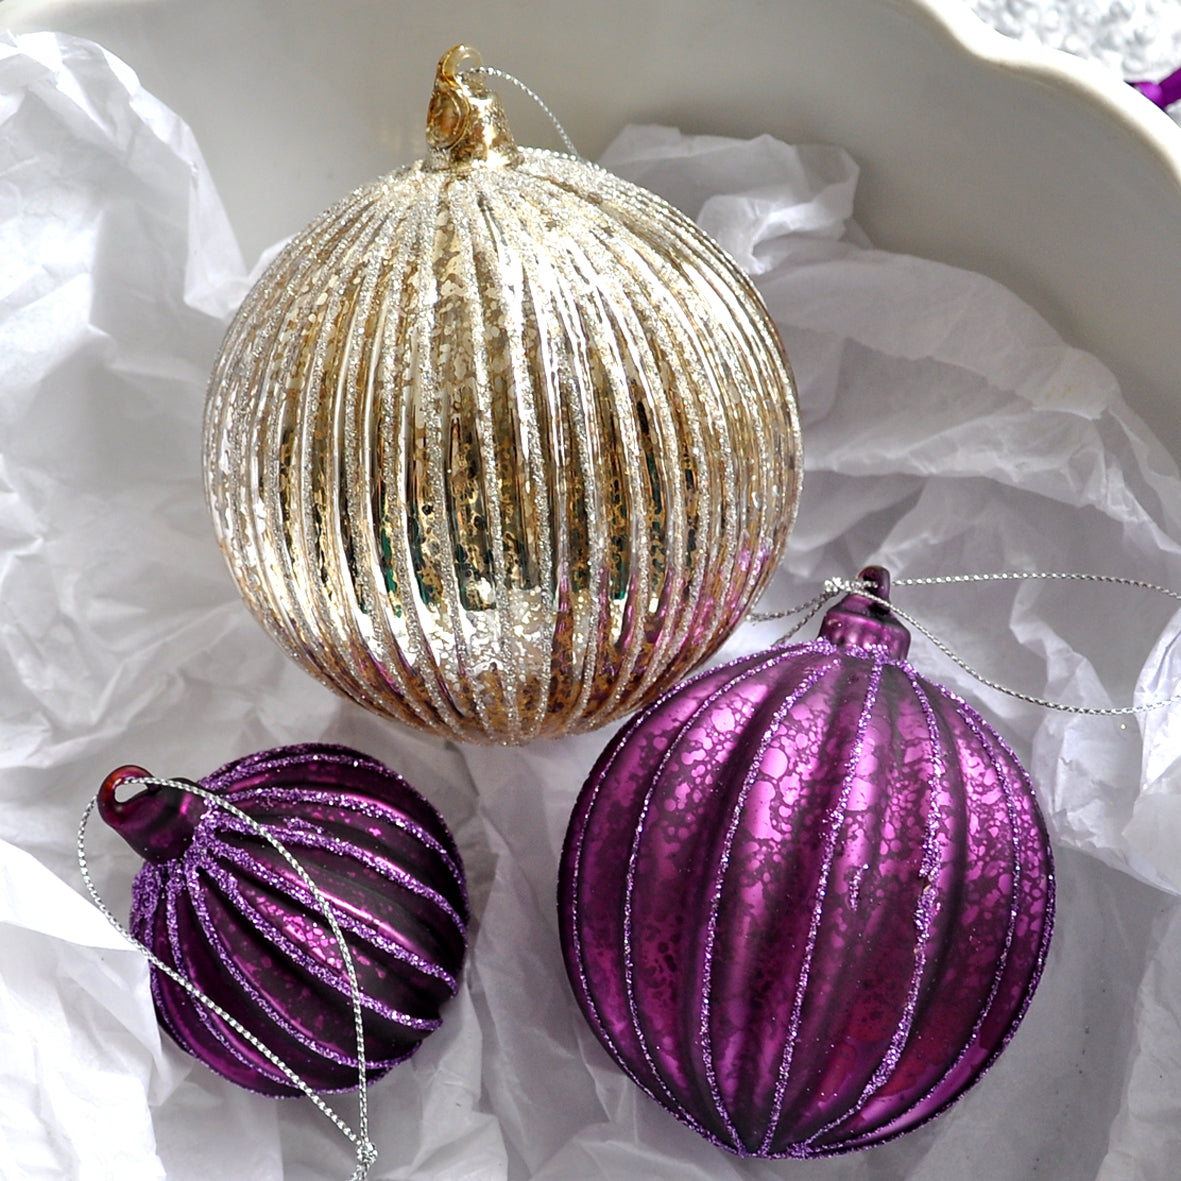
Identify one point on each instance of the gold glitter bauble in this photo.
(501, 445)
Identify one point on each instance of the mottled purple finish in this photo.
(805, 898)
(218, 903)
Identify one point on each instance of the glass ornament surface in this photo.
(805, 898)
(501, 446)
(220, 905)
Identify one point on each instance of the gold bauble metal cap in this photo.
(465, 123)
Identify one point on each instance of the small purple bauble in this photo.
(219, 904)
(805, 898)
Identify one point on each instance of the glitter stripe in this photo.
(306, 501)
(379, 558)
(837, 820)
(312, 1047)
(229, 889)
(519, 488)
(178, 889)
(558, 484)
(813, 677)
(923, 917)
(295, 839)
(572, 881)
(564, 349)
(397, 384)
(744, 670)
(607, 326)
(970, 1043)
(280, 800)
(641, 329)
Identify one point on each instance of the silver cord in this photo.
(841, 586)
(832, 588)
(810, 610)
(493, 72)
(366, 1152)
(1031, 575)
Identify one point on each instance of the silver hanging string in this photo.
(834, 587)
(366, 1151)
(809, 610)
(493, 72)
(1038, 575)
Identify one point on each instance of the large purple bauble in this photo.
(219, 904)
(805, 898)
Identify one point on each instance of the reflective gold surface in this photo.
(501, 445)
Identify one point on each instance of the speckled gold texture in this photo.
(501, 446)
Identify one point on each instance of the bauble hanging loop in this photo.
(158, 822)
(501, 446)
(220, 905)
(805, 897)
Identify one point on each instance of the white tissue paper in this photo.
(947, 430)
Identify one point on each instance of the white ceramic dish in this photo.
(1036, 168)
(1040, 170)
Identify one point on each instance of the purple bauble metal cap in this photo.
(861, 621)
(158, 822)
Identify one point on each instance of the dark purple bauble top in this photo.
(218, 903)
(805, 897)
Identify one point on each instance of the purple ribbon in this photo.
(1163, 93)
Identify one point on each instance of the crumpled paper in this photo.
(947, 430)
